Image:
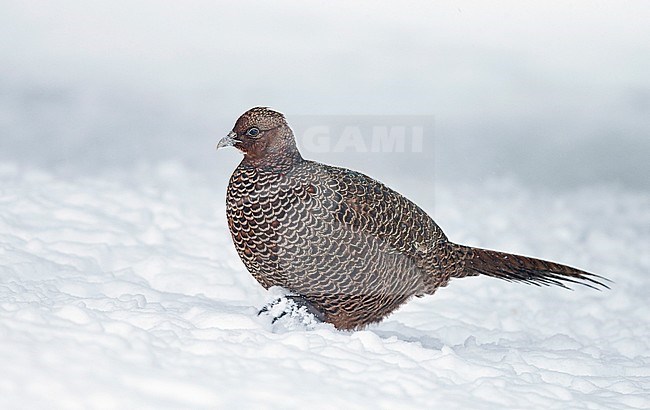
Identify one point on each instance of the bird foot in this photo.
(295, 307)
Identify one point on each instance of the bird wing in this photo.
(366, 205)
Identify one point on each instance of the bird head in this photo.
(263, 135)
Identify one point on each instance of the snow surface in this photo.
(121, 289)
(124, 290)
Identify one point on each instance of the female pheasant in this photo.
(350, 248)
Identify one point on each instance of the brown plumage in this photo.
(351, 248)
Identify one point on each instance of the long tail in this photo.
(515, 268)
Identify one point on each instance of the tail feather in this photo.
(516, 268)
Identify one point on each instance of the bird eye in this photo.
(253, 132)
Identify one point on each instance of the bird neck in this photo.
(277, 161)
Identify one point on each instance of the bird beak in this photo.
(228, 141)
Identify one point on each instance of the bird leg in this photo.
(294, 305)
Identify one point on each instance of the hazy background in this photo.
(555, 94)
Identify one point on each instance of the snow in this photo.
(124, 290)
(119, 284)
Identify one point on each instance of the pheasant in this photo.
(347, 247)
